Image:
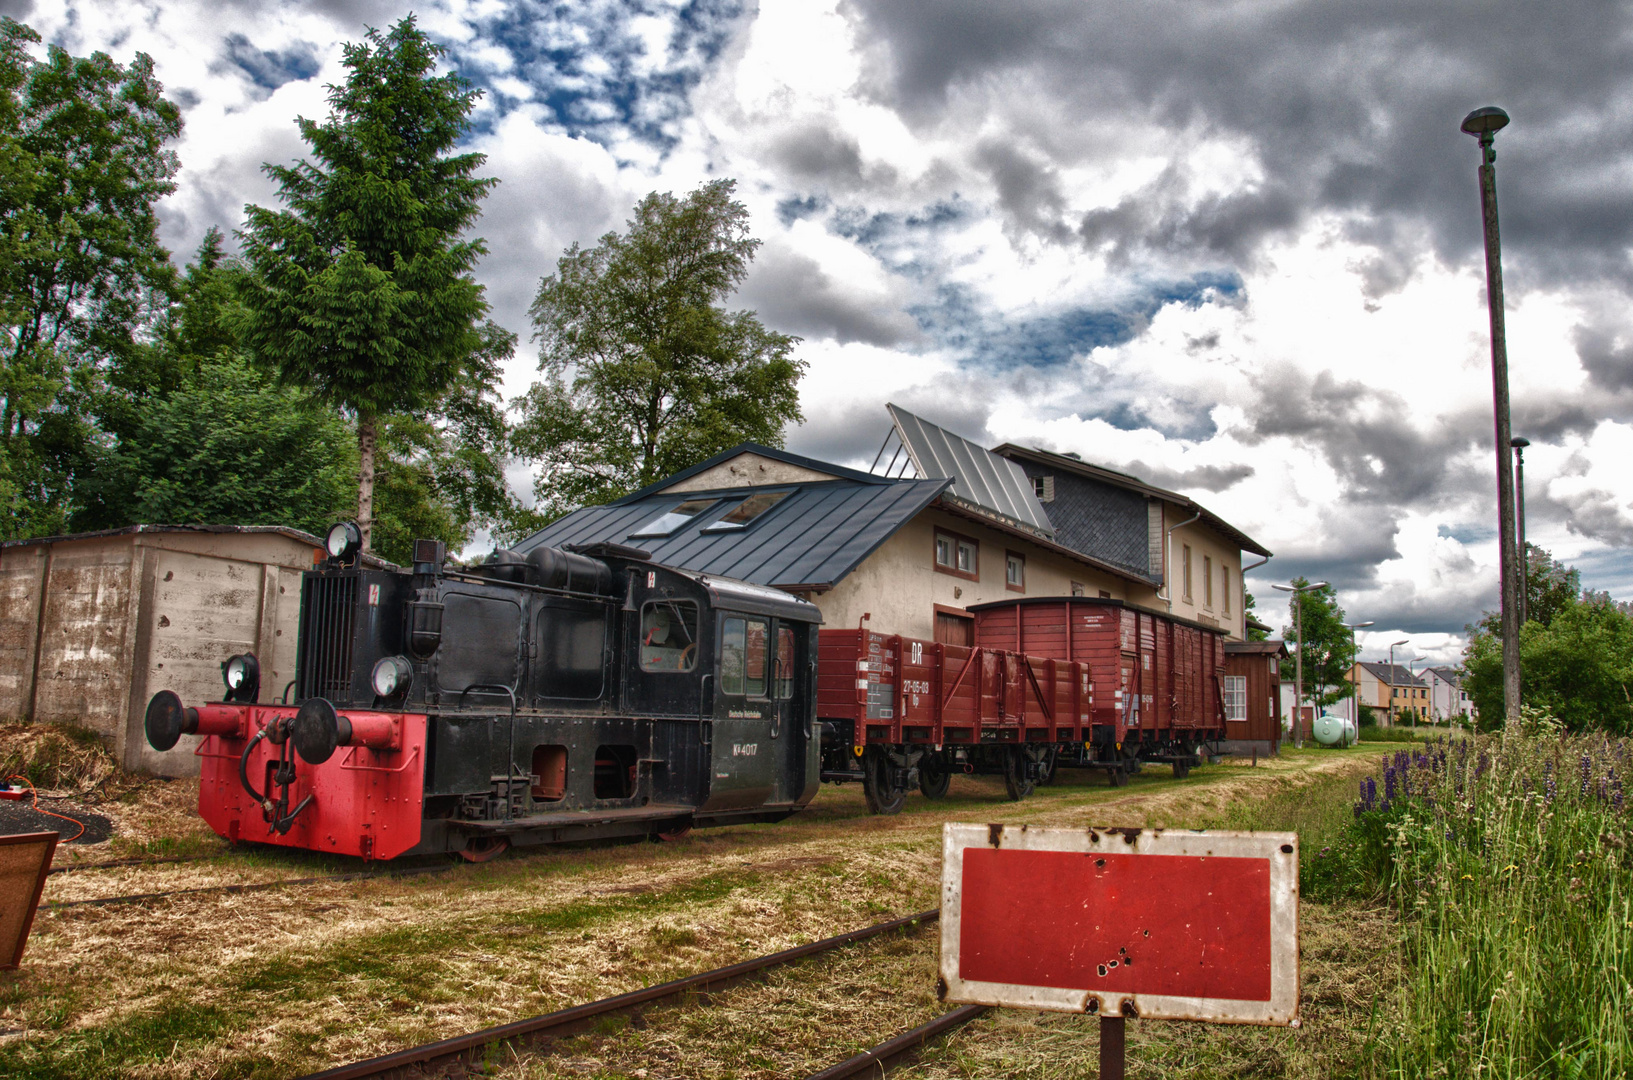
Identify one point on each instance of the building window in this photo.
(958, 555)
(1014, 572)
(1224, 581)
(1235, 697)
(673, 519)
(748, 511)
(1044, 488)
(1185, 569)
(1077, 588)
(1207, 582)
(1104, 595)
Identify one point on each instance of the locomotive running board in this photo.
(649, 812)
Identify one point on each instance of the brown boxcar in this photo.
(1159, 677)
(1049, 681)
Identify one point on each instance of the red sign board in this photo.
(1166, 924)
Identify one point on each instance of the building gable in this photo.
(748, 469)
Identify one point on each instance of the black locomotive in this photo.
(564, 695)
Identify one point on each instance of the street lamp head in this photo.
(1519, 442)
(1484, 123)
(1316, 585)
(1403, 641)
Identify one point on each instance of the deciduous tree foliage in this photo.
(83, 160)
(1327, 645)
(1576, 654)
(362, 289)
(646, 372)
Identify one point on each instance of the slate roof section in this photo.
(809, 540)
(979, 476)
(1091, 515)
(1403, 676)
(1058, 463)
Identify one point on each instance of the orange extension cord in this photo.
(36, 805)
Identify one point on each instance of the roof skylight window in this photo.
(748, 511)
(667, 522)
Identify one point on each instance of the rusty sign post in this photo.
(1161, 924)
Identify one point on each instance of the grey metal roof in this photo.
(811, 539)
(979, 476)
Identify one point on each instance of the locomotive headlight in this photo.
(242, 674)
(343, 540)
(391, 676)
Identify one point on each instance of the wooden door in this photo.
(955, 629)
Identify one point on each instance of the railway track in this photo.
(256, 886)
(539, 1032)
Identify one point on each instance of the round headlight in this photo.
(242, 674)
(391, 676)
(343, 540)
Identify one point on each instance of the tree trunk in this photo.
(365, 479)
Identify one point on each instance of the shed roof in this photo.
(1111, 476)
(809, 540)
(1272, 647)
(210, 530)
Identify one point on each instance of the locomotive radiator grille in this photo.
(328, 618)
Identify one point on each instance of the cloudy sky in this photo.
(1231, 247)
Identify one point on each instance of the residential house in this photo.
(1379, 685)
(1448, 701)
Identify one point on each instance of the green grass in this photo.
(1508, 861)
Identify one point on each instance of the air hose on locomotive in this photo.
(275, 811)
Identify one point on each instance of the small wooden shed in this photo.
(1253, 719)
(92, 625)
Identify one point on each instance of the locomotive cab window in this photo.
(669, 636)
(743, 656)
(785, 663)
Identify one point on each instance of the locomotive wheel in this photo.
(883, 796)
(679, 832)
(484, 848)
(1016, 785)
(934, 776)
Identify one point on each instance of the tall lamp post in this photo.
(1519, 443)
(1484, 124)
(1414, 675)
(1354, 679)
(1392, 690)
(1298, 663)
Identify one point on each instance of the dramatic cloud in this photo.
(1233, 248)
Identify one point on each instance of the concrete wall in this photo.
(748, 470)
(92, 627)
(900, 586)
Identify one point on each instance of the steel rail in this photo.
(892, 1052)
(568, 1021)
(137, 898)
(115, 864)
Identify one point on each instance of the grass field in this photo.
(292, 980)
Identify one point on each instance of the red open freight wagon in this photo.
(1050, 681)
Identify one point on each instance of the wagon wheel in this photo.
(1051, 760)
(878, 783)
(934, 776)
(1016, 785)
(484, 848)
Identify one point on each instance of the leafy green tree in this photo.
(1577, 666)
(1248, 616)
(83, 160)
(1550, 585)
(362, 288)
(646, 372)
(1327, 645)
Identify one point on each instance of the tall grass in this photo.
(1508, 860)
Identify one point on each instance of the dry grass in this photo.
(276, 983)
